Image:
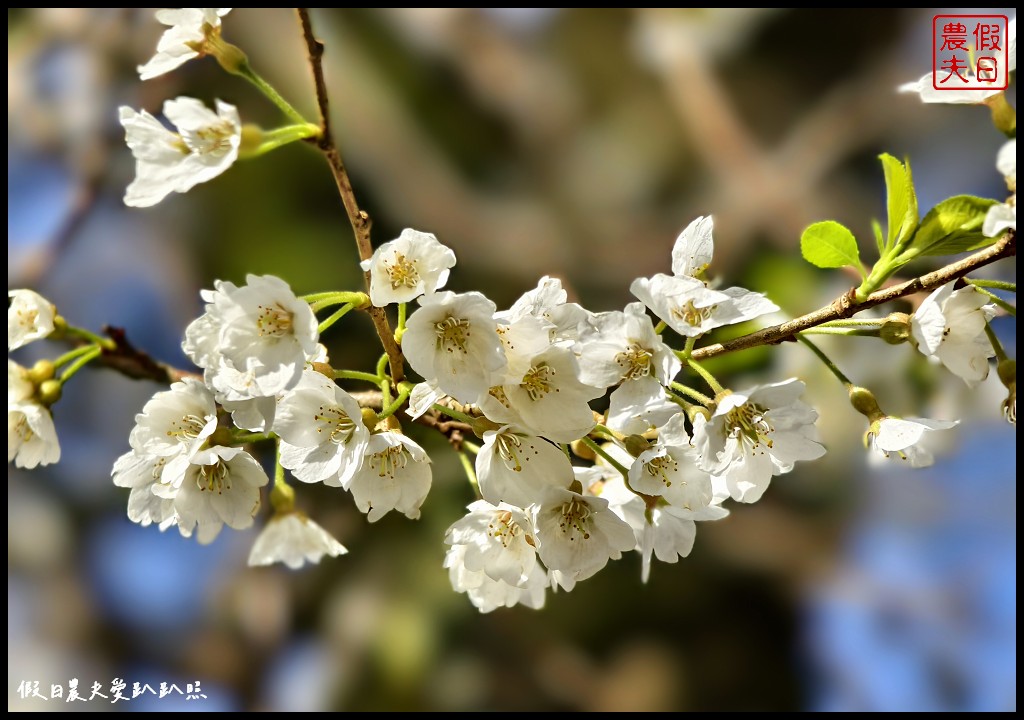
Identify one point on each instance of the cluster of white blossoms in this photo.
(31, 436)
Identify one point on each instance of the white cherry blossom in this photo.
(183, 40)
(394, 475)
(401, 270)
(518, 468)
(293, 539)
(488, 594)
(31, 436)
(452, 341)
(694, 248)
(950, 326)
(498, 541)
(691, 308)
(903, 438)
(755, 435)
(29, 317)
(669, 469)
(204, 146)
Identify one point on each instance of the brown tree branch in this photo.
(359, 219)
(844, 306)
(125, 358)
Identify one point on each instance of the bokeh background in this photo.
(532, 141)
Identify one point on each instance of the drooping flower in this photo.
(488, 594)
(31, 436)
(323, 438)
(518, 468)
(452, 340)
(902, 437)
(394, 475)
(578, 535)
(401, 270)
(29, 317)
(498, 541)
(189, 30)
(755, 435)
(204, 146)
(293, 539)
(950, 325)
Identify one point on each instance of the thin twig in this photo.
(844, 305)
(359, 219)
(137, 364)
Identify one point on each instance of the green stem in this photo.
(105, 343)
(335, 317)
(400, 330)
(660, 327)
(994, 284)
(382, 366)
(455, 414)
(274, 139)
(253, 437)
(84, 359)
(467, 466)
(356, 375)
(393, 407)
(605, 430)
(690, 392)
(282, 495)
(1010, 309)
(470, 448)
(825, 359)
(246, 71)
(708, 377)
(359, 299)
(996, 345)
(72, 354)
(853, 323)
(847, 332)
(609, 459)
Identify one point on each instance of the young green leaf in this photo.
(952, 226)
(876, 228)
(828, 244)
(901, 200)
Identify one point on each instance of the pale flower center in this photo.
(187, 428)
(537, 382)
(508, 447)
(212, 140)
(402, 271)
(748, 422)
(27, 318)
(23, 429)
(214, 478)
(575, 521)
(390, 461)
(273, 321)
(503, 528)
(452, 334)
(661, 467)
(692, 315)
(635, 362)
(337, 422)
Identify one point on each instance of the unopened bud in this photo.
(582, 450)
(864, 402)
(369, 418)
(636, 445)
(895, 329)
(49, 392)
(42, 371)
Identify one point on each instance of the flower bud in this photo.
(895, 328)
(636, 445)
(864, 402)
(581, 450)
(49, 391)
(42, 371)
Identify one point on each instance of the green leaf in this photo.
(828, 244)
(876, 227)
(952, 226)
(901, 200)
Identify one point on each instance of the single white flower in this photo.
(521, 340)
(488, 594)
(184, 39)
(1004, 215)
(669, 469)
(950, 325)
(518, 468)
(403, 269)
(623, 346)
(253, 341)
(903, 437)
(452, 340)
(662, 531)
(691, 308)
(498, 541)
(755, 435)
(547, 302)
(577, 536)
(204, 146)
(694, 248)
(293, 539)
(221, 487)
(394, 475)
(31, 436)
(141, 473)
(175, 423)
(639, 405)
(29, 317)
(323, 438)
